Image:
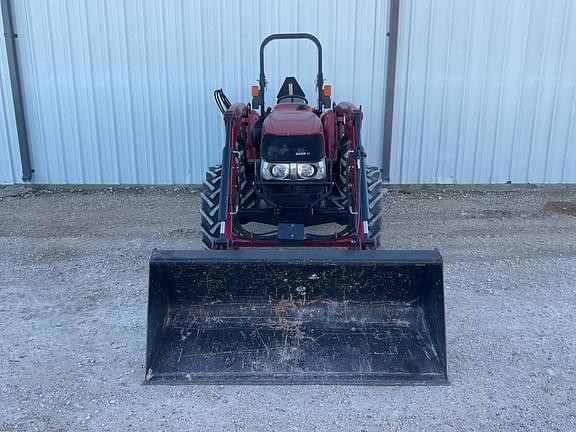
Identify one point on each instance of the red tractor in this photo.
(292, 166)
(289, 305)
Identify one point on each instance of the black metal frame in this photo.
(319, 217)
(282, 36)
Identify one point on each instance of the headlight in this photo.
(273, 171)
(293, 171)
(280, 170)
(320, 169)
(311, 171)
(306, 170)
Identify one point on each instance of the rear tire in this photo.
(210, 196)
(340, 192)
(375, 202)
(339, 197)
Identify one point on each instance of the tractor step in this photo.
(296, 317)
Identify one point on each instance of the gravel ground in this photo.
(73, 281)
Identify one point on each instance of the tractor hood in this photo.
(292, 119)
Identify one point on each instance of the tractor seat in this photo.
(291, 92)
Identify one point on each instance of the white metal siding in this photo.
(121, 91)
(486, 92)
(10, 170)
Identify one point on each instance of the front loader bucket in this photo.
(296, 316)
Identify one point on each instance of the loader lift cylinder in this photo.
(223, 211)
(363, 196)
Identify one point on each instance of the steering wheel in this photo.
(281, 98)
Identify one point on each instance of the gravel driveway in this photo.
(73, 281)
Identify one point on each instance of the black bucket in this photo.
(296, 317)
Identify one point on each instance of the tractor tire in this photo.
(375, 201)
(210, 227)
(339, 196)
(210, 195)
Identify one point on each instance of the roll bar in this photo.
(319, 77)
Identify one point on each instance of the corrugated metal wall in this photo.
(486, 92)
(10, 170)
(121, 91)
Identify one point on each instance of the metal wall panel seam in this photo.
(96, 124)
(130, 108)
(444, 91)
(570, 12)
(205, 141)
(500, 90)
(513, 150)
(146, 103)
(168, 114)
(464, 96)
(186, 100)
(56, 95)
(75, 112)
(7, 121)
(571, 133)
(425, 93)
(536, 110)
(482, 106)
(7, 169)
(556, 91)
(112, 98)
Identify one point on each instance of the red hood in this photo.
(292, 119)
